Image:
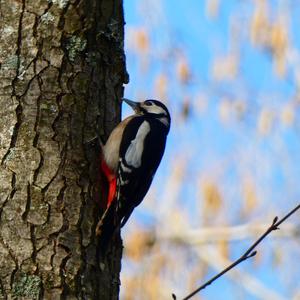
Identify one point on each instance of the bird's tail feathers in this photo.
(107, 226)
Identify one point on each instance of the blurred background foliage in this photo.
(229, 72)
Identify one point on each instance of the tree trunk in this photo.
(61, 75)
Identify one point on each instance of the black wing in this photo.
(134, 180)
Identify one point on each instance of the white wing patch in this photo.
(133, 155)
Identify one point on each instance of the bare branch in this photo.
(250, 252)
(216, 260)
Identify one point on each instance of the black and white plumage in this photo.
(133, 153)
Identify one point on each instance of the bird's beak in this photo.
(134, 105)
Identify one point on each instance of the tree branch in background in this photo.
(248, 254)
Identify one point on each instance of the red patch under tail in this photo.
(112, 182)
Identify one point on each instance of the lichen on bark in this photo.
(62, 68)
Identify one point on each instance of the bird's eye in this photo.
(148, 103)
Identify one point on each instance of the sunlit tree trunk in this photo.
(62, 70)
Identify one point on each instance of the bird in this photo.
(129, 160)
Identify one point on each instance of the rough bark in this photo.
(61, 75)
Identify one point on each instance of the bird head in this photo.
(151, 108)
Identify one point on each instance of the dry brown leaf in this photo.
(212, 196)
(130, 291)
(249, 194)
(259, 25)
(265, 121)
(161, 85)
(223, 247)
(186, 108)
(142, 40)
(279, 44)
(288, 115)
(279, 38)
(183, 71)
(138, 244)
(212, 8)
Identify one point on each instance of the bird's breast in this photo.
(111, 149)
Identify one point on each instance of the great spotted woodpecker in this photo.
(130, 159)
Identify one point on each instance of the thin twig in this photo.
(248, 254)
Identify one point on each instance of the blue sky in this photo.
(227, 151)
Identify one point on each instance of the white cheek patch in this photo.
(154, 109)
(135, 150)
